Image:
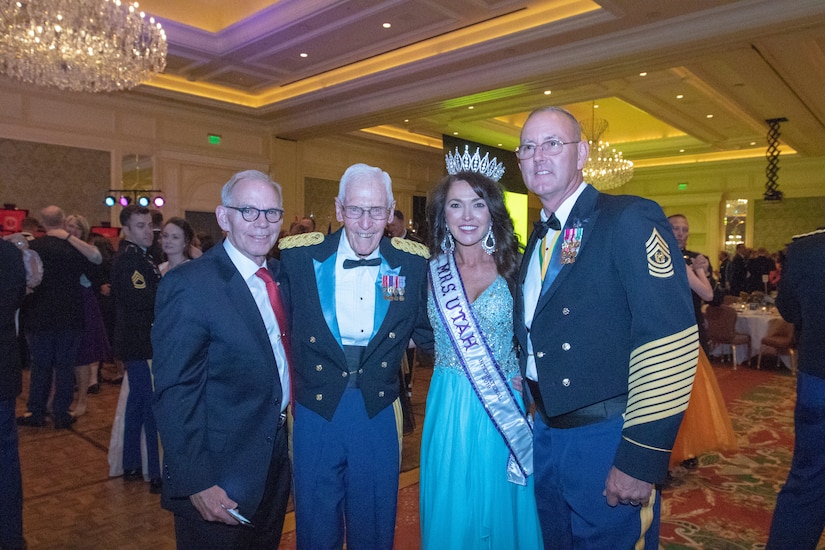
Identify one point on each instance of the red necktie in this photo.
(277, 307)
(280, 315)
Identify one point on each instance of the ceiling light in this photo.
(455, 133)
(548, 92)
(680, 96)
(605, 167)
(125, 200)
(387, 25)
(143, 200)
(302, 54)
(471, 107)
(80, 45)
(109, 201)
(158, 201)
(708, 116)
(642, 74)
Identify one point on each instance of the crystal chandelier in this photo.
(606, 168)
(80, 45)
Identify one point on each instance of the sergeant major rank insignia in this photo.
(659, 261)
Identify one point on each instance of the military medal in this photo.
(393, 287)
(570, 245)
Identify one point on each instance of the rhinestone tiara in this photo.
(466, 163)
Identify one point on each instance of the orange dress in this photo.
(706, 425)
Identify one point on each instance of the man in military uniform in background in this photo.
(134, 284)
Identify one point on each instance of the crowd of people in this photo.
(750, 270)
(269, 364)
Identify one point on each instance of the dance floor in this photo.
(71, 502)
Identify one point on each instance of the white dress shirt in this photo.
(532, 283)
(247, 268)
(354, 295)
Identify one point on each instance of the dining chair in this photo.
(781, 339)
(729, 299)
(722, 330)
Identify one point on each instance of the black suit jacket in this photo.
(56, 303)
(801, 299)
(318, 358)
(12, 290)
(218, 396)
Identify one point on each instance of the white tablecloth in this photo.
(755, 323)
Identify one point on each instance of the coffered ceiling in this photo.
(678, 81)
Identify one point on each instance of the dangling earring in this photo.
(447, 243)
(488, 243)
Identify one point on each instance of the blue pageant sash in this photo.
(482, 370)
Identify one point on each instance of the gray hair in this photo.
(577, 127)
(358, 172)
(229, 187)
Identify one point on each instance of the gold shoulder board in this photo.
(411, 247)
(304, 239)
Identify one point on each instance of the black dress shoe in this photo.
(30, 421)
(132, 475)
(65, 423)
(94, 389)
(156, 486)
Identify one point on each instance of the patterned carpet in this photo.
(728, 501)
(724, 504)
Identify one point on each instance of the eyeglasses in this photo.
(549, 148)
(250, 213)
(375, 212)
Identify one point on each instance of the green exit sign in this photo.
(214, 139)
(681, 186)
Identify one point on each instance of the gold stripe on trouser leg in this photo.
(399, 427)
(646, 517)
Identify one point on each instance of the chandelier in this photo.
(606, 168)
(80, 45)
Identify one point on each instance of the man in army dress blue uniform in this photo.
(608, 346)
(356, 298)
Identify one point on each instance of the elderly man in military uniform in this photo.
(356, 298)
(608, 346)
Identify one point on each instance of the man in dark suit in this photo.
(738, 270)
(799, 517)
(12, 290)
(222, 379)
(608, 346)
(356, 298)
(53, 320)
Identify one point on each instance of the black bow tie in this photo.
(349, 264)
(541, 228)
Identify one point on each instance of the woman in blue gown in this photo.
(476, 487)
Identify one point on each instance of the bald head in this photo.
(52, 217)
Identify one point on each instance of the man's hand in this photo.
(212, 504)
(621, 488)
